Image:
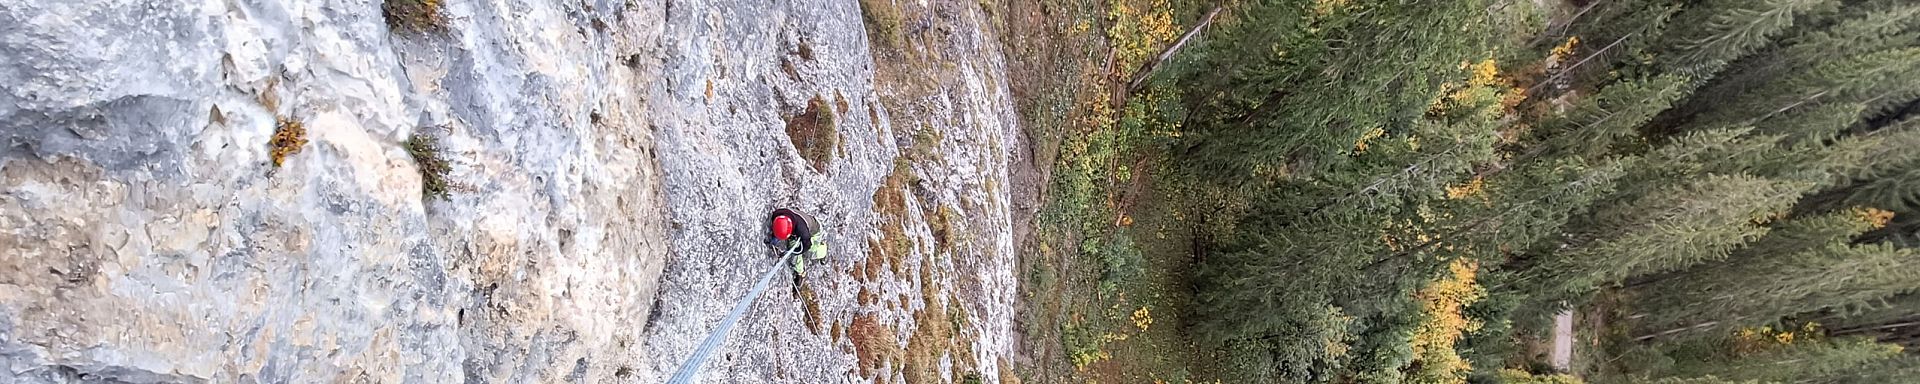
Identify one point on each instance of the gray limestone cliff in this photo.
(606, 166)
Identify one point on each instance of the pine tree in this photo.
(1899, 309)
(1289, 90)
(1686, 178)
(1694, 155)
(1803, 265)
(1593, 126)
(1879, 172)
(1703, 380)
(1861, 31)
(1709, 36)
(1899, 370)
(1860, 79)
(1673, 228)
(1529, 205)
(1280, 292)
(1791, 361)
(1617, 36)
(1898, 189)
(1813, 125)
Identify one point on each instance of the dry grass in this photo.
(941, 224)
(866, 296)
(288, 136)
(837, 332)
(933, 337)
(883, 21)
(874, 344)
(414, 15)
(890, 201)
(810, 304)
(870, 269)
(812, 133)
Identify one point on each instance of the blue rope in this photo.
(691, 368)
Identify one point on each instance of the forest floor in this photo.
(1105, 255)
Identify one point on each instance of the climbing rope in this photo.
(691, 368)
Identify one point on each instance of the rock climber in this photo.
(795, 232)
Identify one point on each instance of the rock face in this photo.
(919, 282)
(610, 162)
(152, 239)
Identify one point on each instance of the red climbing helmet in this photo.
(782, 227)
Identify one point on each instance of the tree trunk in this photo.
(1140, 76)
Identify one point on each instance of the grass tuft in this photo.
(874, 344)
(810, 304)
(414, 15)
(883, 22)
(433, 169)
(288, 136)
(812, 133)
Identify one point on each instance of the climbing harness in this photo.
(791, 226)
(801, 236)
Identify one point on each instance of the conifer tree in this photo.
(1813, 125)
(1289, 90)
(1703, 380)
(1880, 174)
(1617, 36)
(1803, 265)
(1683, 182)
(1794, 360)
(1903, 309)
(1673, 228)
(1857, 79)
(1593, 126)
(1708, 36)
(1904, 369)
(1861, 30)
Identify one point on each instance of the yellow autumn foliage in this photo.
(288, 136)
(1561, 52)
(1485, 73)
(1360, 145)
(1326, 7)
(1442, 305)
(1471, 188)
(1878, 218)
(1484, 84)
(1752, 340)
(1138, 32)
(1142, 318)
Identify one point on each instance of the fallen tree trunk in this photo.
(1140, 76)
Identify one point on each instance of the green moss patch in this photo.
(433, 168)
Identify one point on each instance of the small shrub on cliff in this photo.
(288, 136)
(883, 21)
(812, 133)
(414, 15)
(433, 169)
